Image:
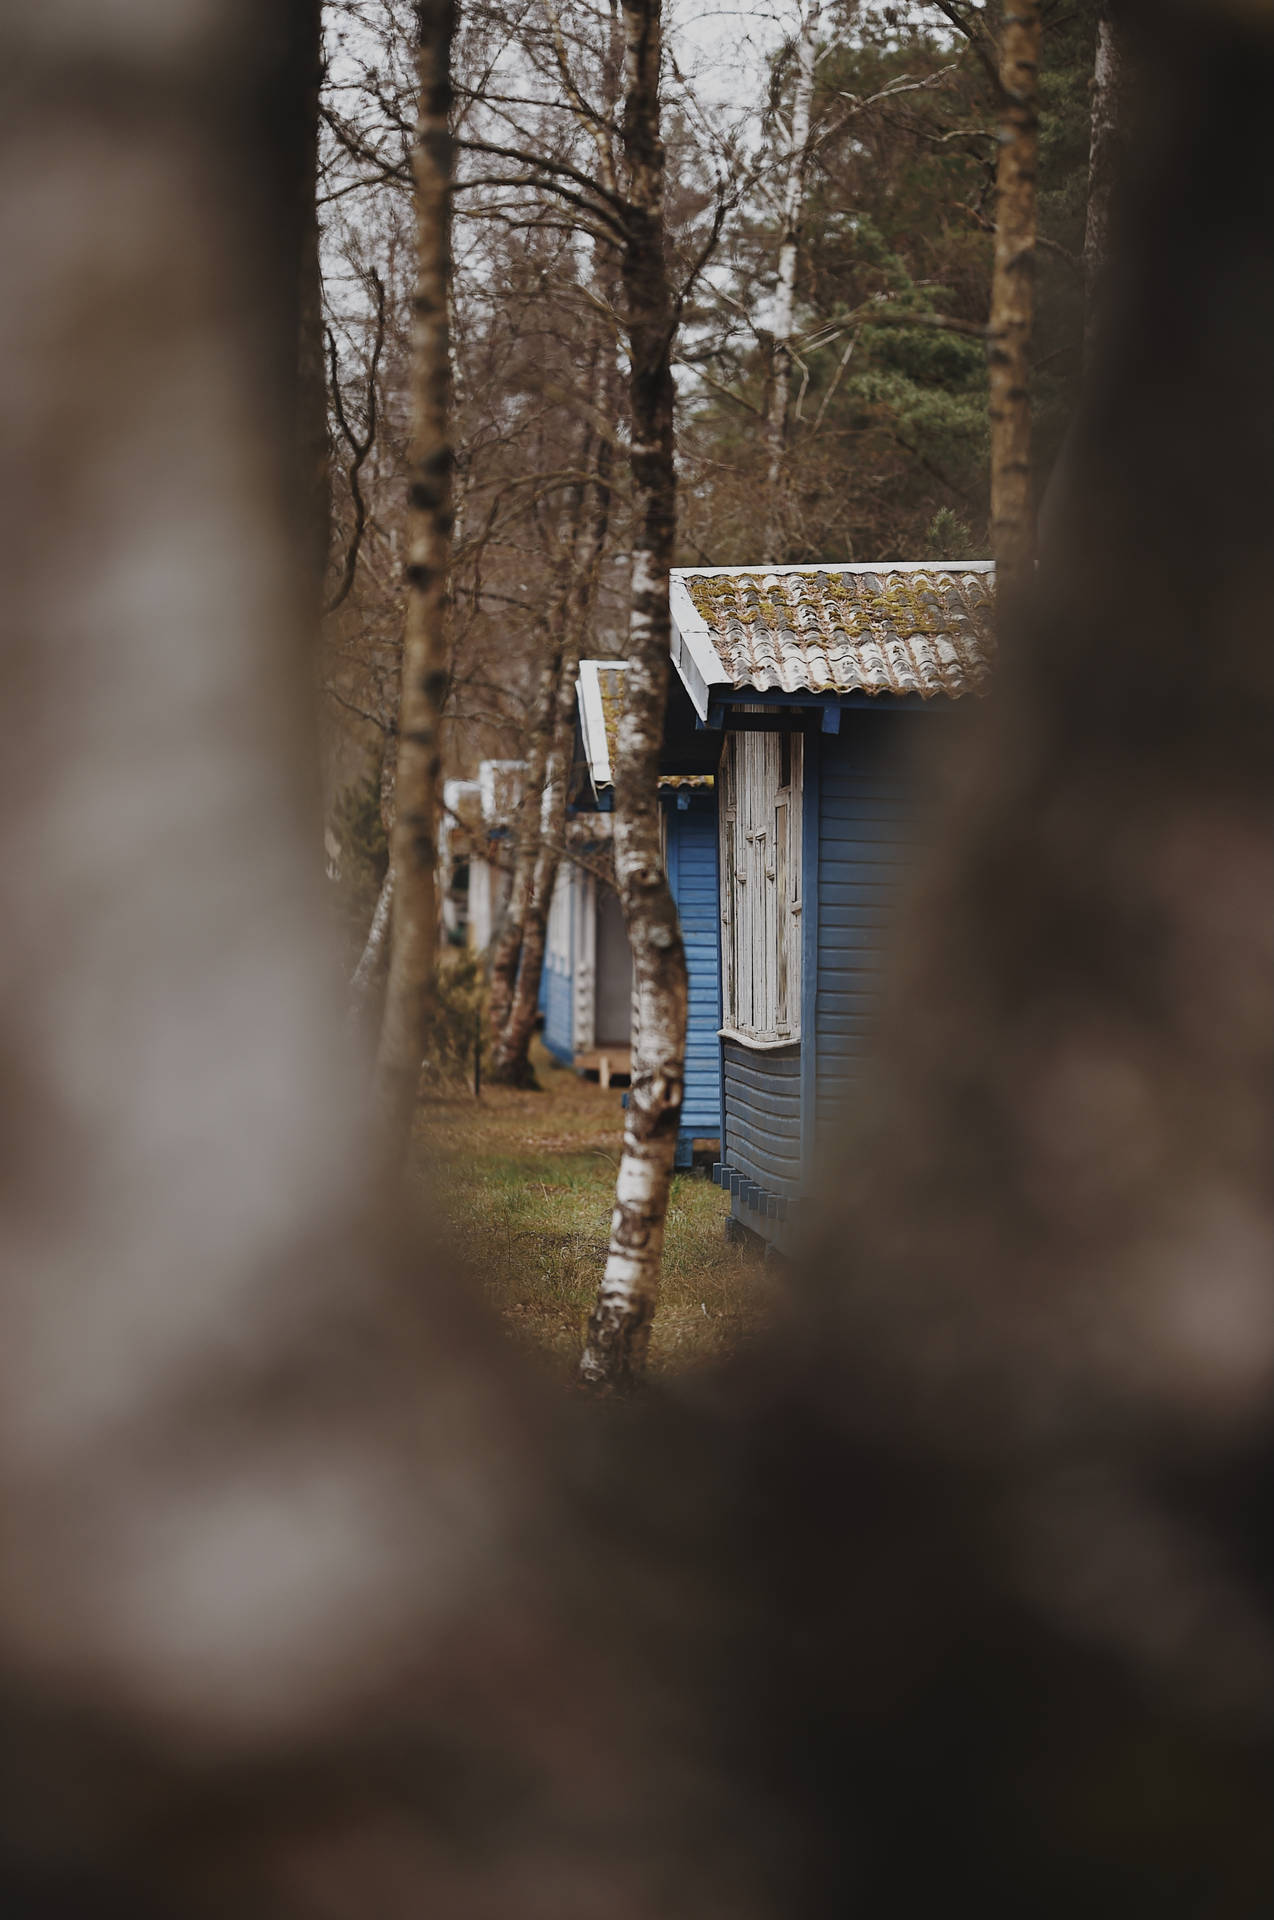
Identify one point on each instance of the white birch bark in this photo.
(788, 267)
(372, 958)
(619, 1330)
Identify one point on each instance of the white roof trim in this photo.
(593, 720)
(843, 566)
(694, 652)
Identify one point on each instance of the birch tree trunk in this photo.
(514, 1046)
(582, 540)
(507, 944)
(510, 1064)
(371, 962)
(776, 425)
(414, 841)
(619, 1329)
(1012, 297)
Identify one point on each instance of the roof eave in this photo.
(693, 653)
(588, 691)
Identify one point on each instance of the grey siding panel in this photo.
(780, 1091)
(868, 836)
(762, 1119)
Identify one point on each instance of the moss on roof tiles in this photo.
(610, 687)
(761, 622)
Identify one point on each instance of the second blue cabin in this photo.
(806, 689)
(688, 815)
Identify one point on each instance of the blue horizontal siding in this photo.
(692, 874)
(559, 1033)
(868, 834)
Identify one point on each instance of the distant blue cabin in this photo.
(587, 981)
(689, 826)
(803, 689)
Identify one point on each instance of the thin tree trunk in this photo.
(314, 494)
(414, 843)
(515, 1042)
(1103, 167)
(372, 960)
(1012, 296)
(785, 295)
(510, 1066)
(506, 1068)
(507, 945)
(619, 1330)
(510, 1054)
(584, 541)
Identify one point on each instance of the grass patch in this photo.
(527, 1183)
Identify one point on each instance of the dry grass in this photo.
(527, 1182)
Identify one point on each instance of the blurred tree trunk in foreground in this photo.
(962, 1593)
(414, 839)
(619, 1329)
(1060, 1266)
(232, 1475)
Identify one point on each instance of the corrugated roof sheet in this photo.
(902, 629)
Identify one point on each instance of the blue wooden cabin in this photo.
(800, 687)
(687, 801)
(586, 985)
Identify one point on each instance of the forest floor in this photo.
(527, 1183)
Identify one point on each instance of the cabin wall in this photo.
(691, 851)
(584, 959)
(481, 906)
(866, 837)
(557, 982)
(782, 1107)
(761, 1134)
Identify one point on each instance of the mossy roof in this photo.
(610, 687)
(890, 629)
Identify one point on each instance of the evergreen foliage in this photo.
(888, 444)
